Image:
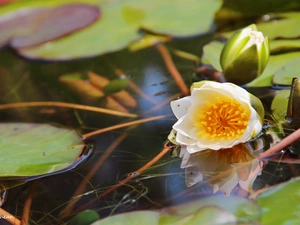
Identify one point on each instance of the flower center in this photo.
(223, 119)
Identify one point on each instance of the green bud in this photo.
(245, 55)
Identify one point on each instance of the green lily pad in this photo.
(85, 217)
(275, 63)
(110, 33)
(282, 45)
(280, 204)
(120, 23)
(211, 210)
(29, 149)
(285, 75)
(180, 18)
(285, 27)
(257, 7)
(279, 105)
(211, 54)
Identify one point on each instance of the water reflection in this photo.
(225, 168)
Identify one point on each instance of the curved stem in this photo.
(9, 218)
(85, 136)
(66, 105)
(281, 145)
(27, 205)
(172, 69)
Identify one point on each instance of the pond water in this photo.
(163, 184)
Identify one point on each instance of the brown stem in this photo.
(85, 136)
(66, 105)
(9, 218)
(172, 69)
(27, 205)
(281, 145)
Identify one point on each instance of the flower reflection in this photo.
(239, 161)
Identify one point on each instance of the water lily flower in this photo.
(245, 55)
(239, 160)
(216, 116)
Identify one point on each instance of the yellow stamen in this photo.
(223, 119)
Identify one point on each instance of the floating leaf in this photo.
(285, 27)
(211, 54)
(29, 149)
(134, 218)
(212, 210)
(282, 45)
(285, 75)
(257, 7)
(242, 208)
(281, 204)
(180, 18)
(275, 63)
(110, 33)
(47, 24)
(279, 105)
(85, 217)
(118, 27)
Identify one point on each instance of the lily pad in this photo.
(285, 27)
(85, 217)
(120, 24)
(180, 18)
(212, 210)
(275, 63)
(285, 75)
(279, 105)
(29, 149)
(110, 33)
(47, 24)
(283, 45)
(281, 203)
(211, 54)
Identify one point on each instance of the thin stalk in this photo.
(27, 205)
(9, 217)
(172, 69)
(129, 178)
(118, 126)
(66, 105)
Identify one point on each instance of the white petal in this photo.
(185, 140)
(256, 169)
(194, 148)
(183, 126)
(230, 184)
(192, 176)
(180, 106)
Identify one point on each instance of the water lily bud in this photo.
(216, 116)
(245, 55)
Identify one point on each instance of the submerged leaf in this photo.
(29, 149)
(115, 86)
